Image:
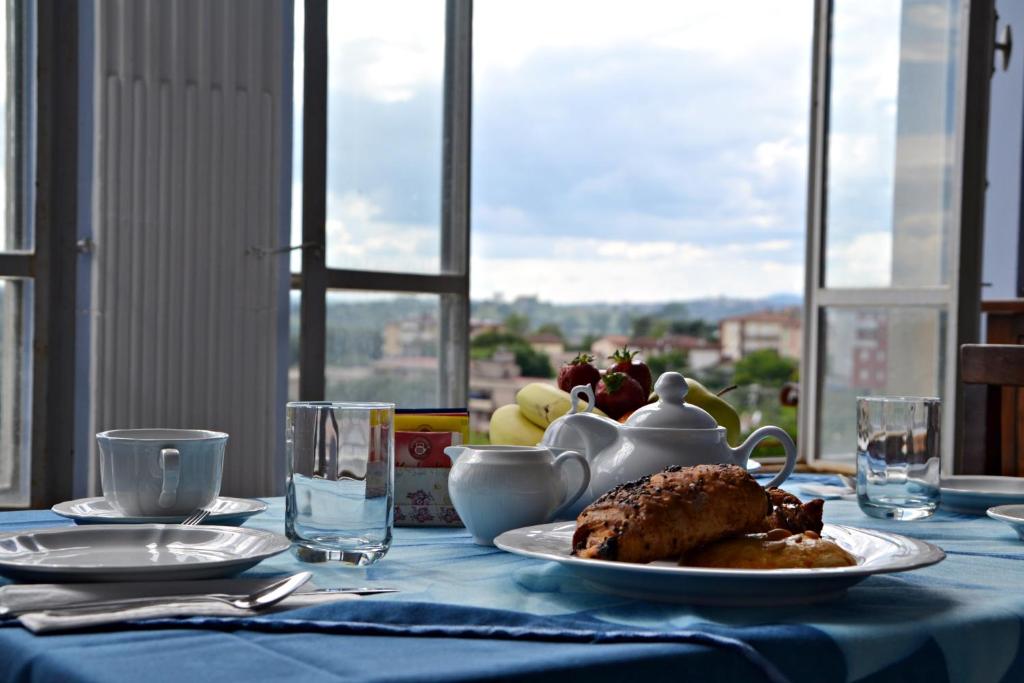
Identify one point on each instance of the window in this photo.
(38, 159)
(622, 161)
(895, 209)
(383, 271)
(17, 246)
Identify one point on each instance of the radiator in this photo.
(188, 313)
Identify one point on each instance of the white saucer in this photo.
(974, 494)
(141, 552)
(1011, 514)
(224, 511)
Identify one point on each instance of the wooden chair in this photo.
(1000, 367)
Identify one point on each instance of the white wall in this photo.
(191, 170)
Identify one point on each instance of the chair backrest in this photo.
(1001, 368)
(992, 364)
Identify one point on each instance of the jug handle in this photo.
(744, 449)
(560, 462)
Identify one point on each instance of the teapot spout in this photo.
(597, 432)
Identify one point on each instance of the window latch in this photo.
(260, 252)
(1005, 45)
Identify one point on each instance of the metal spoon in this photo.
(260, 599)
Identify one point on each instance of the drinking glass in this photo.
(341, 470)
(898, 456)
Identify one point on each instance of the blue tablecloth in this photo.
(468, 613)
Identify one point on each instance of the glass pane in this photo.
(15, 390)
(876, 351)
(649, 155)
(383, 348)
(891, 142)
(295, 299)
(15, 98)
(384, 106)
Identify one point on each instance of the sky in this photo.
(653, 154)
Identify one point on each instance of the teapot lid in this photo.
(672, 411)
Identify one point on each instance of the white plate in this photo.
(975, 493)
(879, 553)
(224, 511)
(753, 465)
(1011, 514)
(138, 552)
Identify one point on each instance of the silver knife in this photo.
(124, 603)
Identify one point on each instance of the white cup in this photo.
(160, 472)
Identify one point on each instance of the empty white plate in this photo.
(140, 552)
(975, 493)
(878, 552)
(223, 511)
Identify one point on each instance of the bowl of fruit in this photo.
(624, 430)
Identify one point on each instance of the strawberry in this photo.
(578, 371)
(618, 394)
(638, 369)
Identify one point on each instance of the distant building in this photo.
(478, 327)
(493, 382)
(415, 336)
(779, 331)
(700, 353)
(550, 344)
(607, 345)
(870, 369)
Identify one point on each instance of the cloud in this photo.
(601, 136)
(865, 260)
(357, 238)
(683, 272)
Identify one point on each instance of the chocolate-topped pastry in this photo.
(665, 515)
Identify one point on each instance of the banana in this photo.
(542, 404)
(510, 427)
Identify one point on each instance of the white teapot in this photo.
(656, 436)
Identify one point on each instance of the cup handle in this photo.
(744, 449)
(170, 466)
(560, 462)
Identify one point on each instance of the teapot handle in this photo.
(560, 462)
(582, 391)
(744, 449)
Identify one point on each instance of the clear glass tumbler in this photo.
(898, 452)
(341, 471)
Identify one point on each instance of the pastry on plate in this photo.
(777, 549)
(665, 515)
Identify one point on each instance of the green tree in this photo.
(551, 328)
(765, 367)
(674, 360)
(517, 324)
(642, 326)
(531, 363)
(695, 328)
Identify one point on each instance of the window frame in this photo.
(315, 279)
(960, 299)
(46, 195)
